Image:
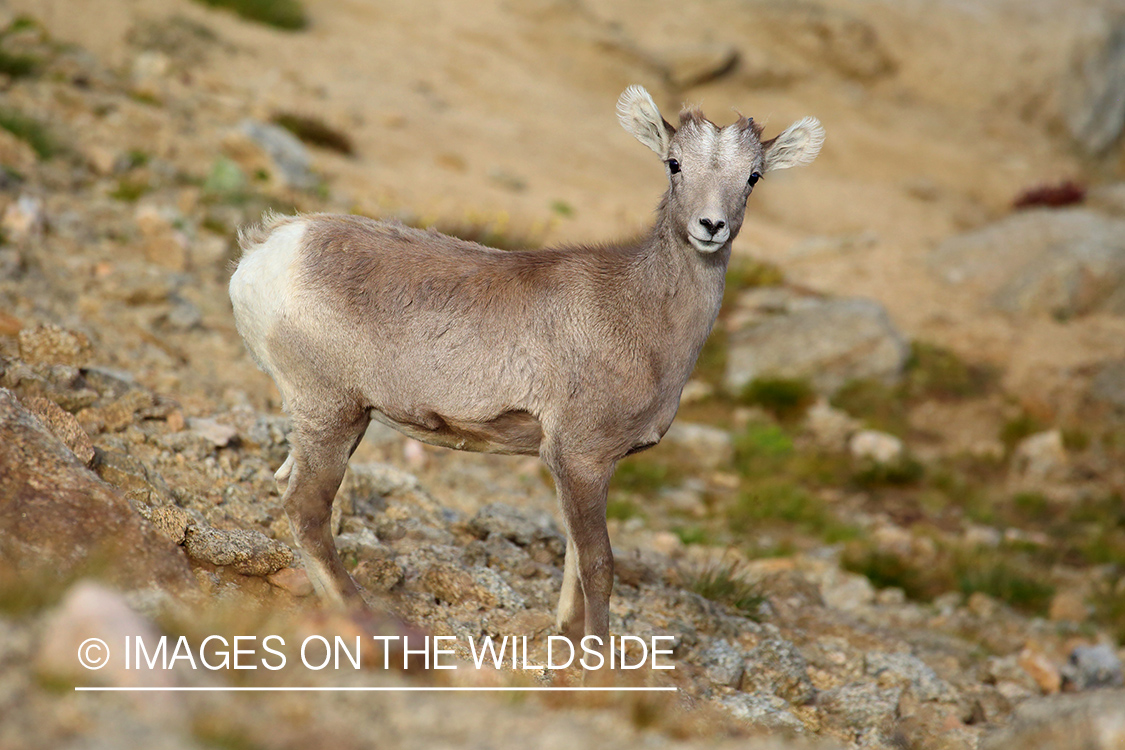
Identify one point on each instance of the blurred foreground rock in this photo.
(56, 514)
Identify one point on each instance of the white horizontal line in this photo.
(368, 689)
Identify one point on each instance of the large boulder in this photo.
(829, 341)
(1058, 262)
(57, 514)
(1093, 90)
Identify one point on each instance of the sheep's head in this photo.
(712, 170)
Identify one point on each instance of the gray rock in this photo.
(1041, 457)
(248, 552)
(763, 710)
(376, 479)
(776, 666)
(1062, 262)
(1093, 667)
(722, 663)
(520, 525)
(862, 705)
(1093, 91)
(1108, 385)
(873, 445)
(829, 341)
(908, 670)
(709, 446)
(289, 155)
(1091, 721)
(64, 426)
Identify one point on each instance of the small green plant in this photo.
(622, 509)
(723, 582)
(315, 132)
(30, 131)
(693, 534)
(786, 398)
(881, 406)
(1017, 428)
(745, 273)
(935, 372)
(1001, 575)
(562, 208)
(129, 189)
(282, 14)
(887, 569)
(18, 66)
(904, 471)
(644, 476)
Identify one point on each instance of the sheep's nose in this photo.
(712, 226)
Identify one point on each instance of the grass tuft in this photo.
(30, 131)
(723, 582)
(785, 398)
(288, 15)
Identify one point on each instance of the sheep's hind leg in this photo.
(317, 460)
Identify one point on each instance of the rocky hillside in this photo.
(890, 513)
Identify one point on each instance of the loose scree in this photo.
(577, 354)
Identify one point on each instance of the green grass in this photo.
(130, 189)
(723, 582)
(315, 132)
(17, 65)
(622, 509)
(785, 398)
(1005, 573)
(30, 131)
(288, 15)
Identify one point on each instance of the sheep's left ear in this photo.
(799, 144)
(637, 113)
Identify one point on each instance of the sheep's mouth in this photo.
(708, 245)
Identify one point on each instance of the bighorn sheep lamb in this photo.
(577, 354)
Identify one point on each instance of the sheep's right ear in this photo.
(638, 114)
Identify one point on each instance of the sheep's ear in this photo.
(799, 144)
(638, 114)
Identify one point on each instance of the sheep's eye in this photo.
(673, 166)
(754, 179)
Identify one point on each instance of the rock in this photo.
(520, 525)
(1039, 667)
(51, 345)
(216, 433)
(1093, 90)
(907, 670)
(90, 610)
(24, 218)
(692, 65)
(163, 244)
(828, 426)
(763, 710)
(289, 156)
(138, 483)
(1109, 199)
(362, 546)
(777, 667)
(1068, 605)
(834, 38)
(1061, 262)
(378, 575)
(722, 663)
(448, 583)
(248, 552)
(1041, 458)
(861, 705)
(64, 426)
(365, 480)
(846, 591)
(1091, 721)
(709, 446)
(1092, 667)
(1107, 387)
(872, 445)
(54, 512)
(294, 580)
(148, 73)
(828, 341)
(170, 520)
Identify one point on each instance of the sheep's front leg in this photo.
(582, 484)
